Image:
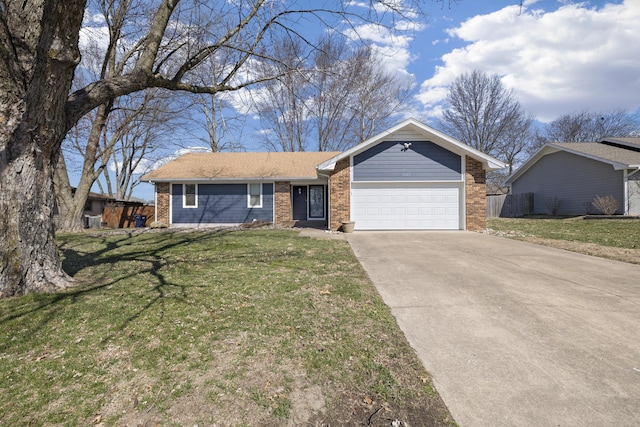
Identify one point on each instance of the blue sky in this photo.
(559, 56)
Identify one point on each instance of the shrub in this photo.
(554, 204)
(608, 205)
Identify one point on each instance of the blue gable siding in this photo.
(422, 161)
(574, 181)
(221, 204)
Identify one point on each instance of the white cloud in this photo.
(408, 25)
(573, 58)
(93, 42)
(92, 18)
(94, 33)
(391, 45)
(143, 166)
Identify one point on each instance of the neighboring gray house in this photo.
(568, 176)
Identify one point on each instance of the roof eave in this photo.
(616, 165)
(489, 163)
(327, 166)
(241, 179)
(491, 166)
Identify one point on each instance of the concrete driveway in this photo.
(514, 334)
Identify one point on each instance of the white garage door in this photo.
(405, 206)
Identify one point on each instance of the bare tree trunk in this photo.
(29, 255)
(37, 60)
(72, 206)
(63, 193)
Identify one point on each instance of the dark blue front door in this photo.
(300, 202)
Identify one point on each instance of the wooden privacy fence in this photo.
(509, 205)
(124, 216)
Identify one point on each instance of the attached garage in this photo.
(411, 184)
(406, 206)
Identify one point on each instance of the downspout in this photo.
(328, 176)
(627, 204)
(463, 219)
(155, 201)
(170, 204)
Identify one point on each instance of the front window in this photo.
(190, 196)
(255, 195)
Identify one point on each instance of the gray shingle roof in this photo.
(603, 152)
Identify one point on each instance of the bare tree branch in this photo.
(485, 115)
(587, 126)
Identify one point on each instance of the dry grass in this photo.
(210, 328)
(617, 239)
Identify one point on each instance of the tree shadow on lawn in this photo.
(107, 247)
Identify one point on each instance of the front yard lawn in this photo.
(617, 239)
(226, 328)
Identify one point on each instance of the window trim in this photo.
(184, 196)
(259, 205)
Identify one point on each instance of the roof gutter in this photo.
(223, 180)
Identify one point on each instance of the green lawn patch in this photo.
(229, 328)
(609, 238)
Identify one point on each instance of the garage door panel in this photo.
(405, 207)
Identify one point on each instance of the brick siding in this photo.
(282, 200)
(162, 202)
(476, 195)
(340, 194)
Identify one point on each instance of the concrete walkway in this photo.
(514, 334)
